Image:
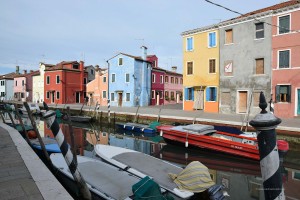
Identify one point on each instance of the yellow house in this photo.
(201, 69)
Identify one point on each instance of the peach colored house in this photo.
(97, 88)
(286, 62)
(173, 87)
(20, 93)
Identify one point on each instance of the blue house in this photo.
(129, 80)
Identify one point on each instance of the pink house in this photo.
(286, 62)
(173, 87)
(23, 86)
(97, 88)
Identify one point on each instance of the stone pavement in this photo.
(22, 174)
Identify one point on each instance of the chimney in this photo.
(31, 71)
(17, 70)
(144, 52)
(24, 71)
(81, 68)
(174, 68)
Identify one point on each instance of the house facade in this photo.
(129, 80)
(7, 85)
(38, 83)
(23, 86)
(286, 61)
(65, 83)
(97, 88)
(91, 72)
(173, 86)
(201, 69)
(245, 62)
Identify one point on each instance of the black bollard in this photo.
(265, 124)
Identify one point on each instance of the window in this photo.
(112, 96)
(212, 65)
(127, 96)
(176, 80)
(84, 81)
(283, 93)
(284, 59)
(104, 79)
(92, 71)
(75, 66)
(259, 30)
(57, 79)
(189, 44)
(126, 78)
(259, 66)
(228, 68)
(22, 95)
(16, 83)
(172, 96)
(212, 39)
(120, 61)
(2, 83)
(189, 94)
(189, 68)
(2, 94)
(161, 79)
(104, 94)
(57, 94)
(113, 78)
(154, 63)
(160, 93)
(211, 94)
(47, 95)
(47, 80)
(153, 78)
(284, 24)
(23, 83)
(181, 81)
(228, 36)
(172, 80)
(166, 95)
(166, 79)
(153, 94)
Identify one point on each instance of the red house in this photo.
(65, 83)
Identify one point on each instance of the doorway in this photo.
(120, 100)
(242, 101)
(199, 100)
(77, 100)
(53, 97)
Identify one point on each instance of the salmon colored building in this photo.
(65, 83)
(97, 88)
(173, 87)
(23, 86)
(286, 61)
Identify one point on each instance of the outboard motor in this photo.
(216, 192)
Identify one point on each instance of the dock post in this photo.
(73, 143)
(265, 124)
(11, 119)
(22, 124)
(108, 108)
(2, 117)
(51, 121)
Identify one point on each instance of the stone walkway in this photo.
(22, 173)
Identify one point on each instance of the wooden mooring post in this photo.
(71, 132)
(22, 124)
(265, 124)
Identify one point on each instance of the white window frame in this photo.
(188, 70)
(215, 39)
(153, 78)
(161, 79)
(104, 91)
(290, 52)
(119, 61)
(187, 44)
(152, 94)
(112, 99)
(104, 77)
(57, 76)
(57, 92)
(113, 74)
(47, 95)
(279, 24)
(128, 78)
(47, 77)
(127, 93)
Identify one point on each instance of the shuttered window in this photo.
(189, 94)
(228, 36)
(189, 68)
(284, 59)
(212, 66)
(189, 44)
(212, 39)
(284, 24)
(283, 93)
(211, 94)
(259, 66)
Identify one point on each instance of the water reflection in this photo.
(241, 177)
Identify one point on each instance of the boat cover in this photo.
(193, 131)
(195, 178)
(198, 127)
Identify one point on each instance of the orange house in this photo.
(65, 83)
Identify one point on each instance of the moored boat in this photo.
(79, 118)
(149, 130)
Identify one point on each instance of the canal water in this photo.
(240, 177)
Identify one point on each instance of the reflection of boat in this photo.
(50, 145)
(205, 136)
(211, 159)
(140, 128)
(142, 165)
(103, 180)
(79, 118)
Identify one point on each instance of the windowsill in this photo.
(189, 50)
(256, 39)
(282, 34)
(283, 102)
(227, 44)
(283, 68)
(212, 73)
(211, 47)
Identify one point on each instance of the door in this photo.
(53, 97)
(242, 103)
(199, 100)
(77, 97)
(120, 99)
(298, 110)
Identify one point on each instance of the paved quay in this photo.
(288, 126)
(22, 174)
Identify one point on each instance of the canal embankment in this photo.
(23, 174)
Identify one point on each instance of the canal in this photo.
(240, 177)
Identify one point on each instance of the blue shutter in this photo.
(215, 94)
(192, 90)
(214, 39)
(289, 94)
(277, 95)
(209, 40)
(185, 94)
(207, 93)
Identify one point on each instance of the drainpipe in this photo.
(108, 94)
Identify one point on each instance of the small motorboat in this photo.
(79, 118)
(148, 130)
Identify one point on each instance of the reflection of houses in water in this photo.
(96, 137)
(292, 184)
(78, 136)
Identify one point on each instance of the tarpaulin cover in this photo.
(195, 178)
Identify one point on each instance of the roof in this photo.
(174, 73)
(8, 76)
(246, 16)
(33, 73)
(131, 56)
(60, 66)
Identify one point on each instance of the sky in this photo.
(34, 31)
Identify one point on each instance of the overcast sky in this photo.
(33, 31)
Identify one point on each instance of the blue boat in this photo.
(50, 145)
(136, 127)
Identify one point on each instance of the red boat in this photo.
(205, 136)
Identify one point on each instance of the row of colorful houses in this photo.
(227, 65)
(127, 81)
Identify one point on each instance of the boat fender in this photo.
(161, 133)
(186, 144)
(124, 126)
(143, 129)
(32, 134)
(132, 128)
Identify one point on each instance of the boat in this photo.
(205, 136)
(34, 108)
(147, 130)
(141, 165)
(79, 118)
(103, 180)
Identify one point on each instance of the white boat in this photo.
(34, 108)
(142, 165)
